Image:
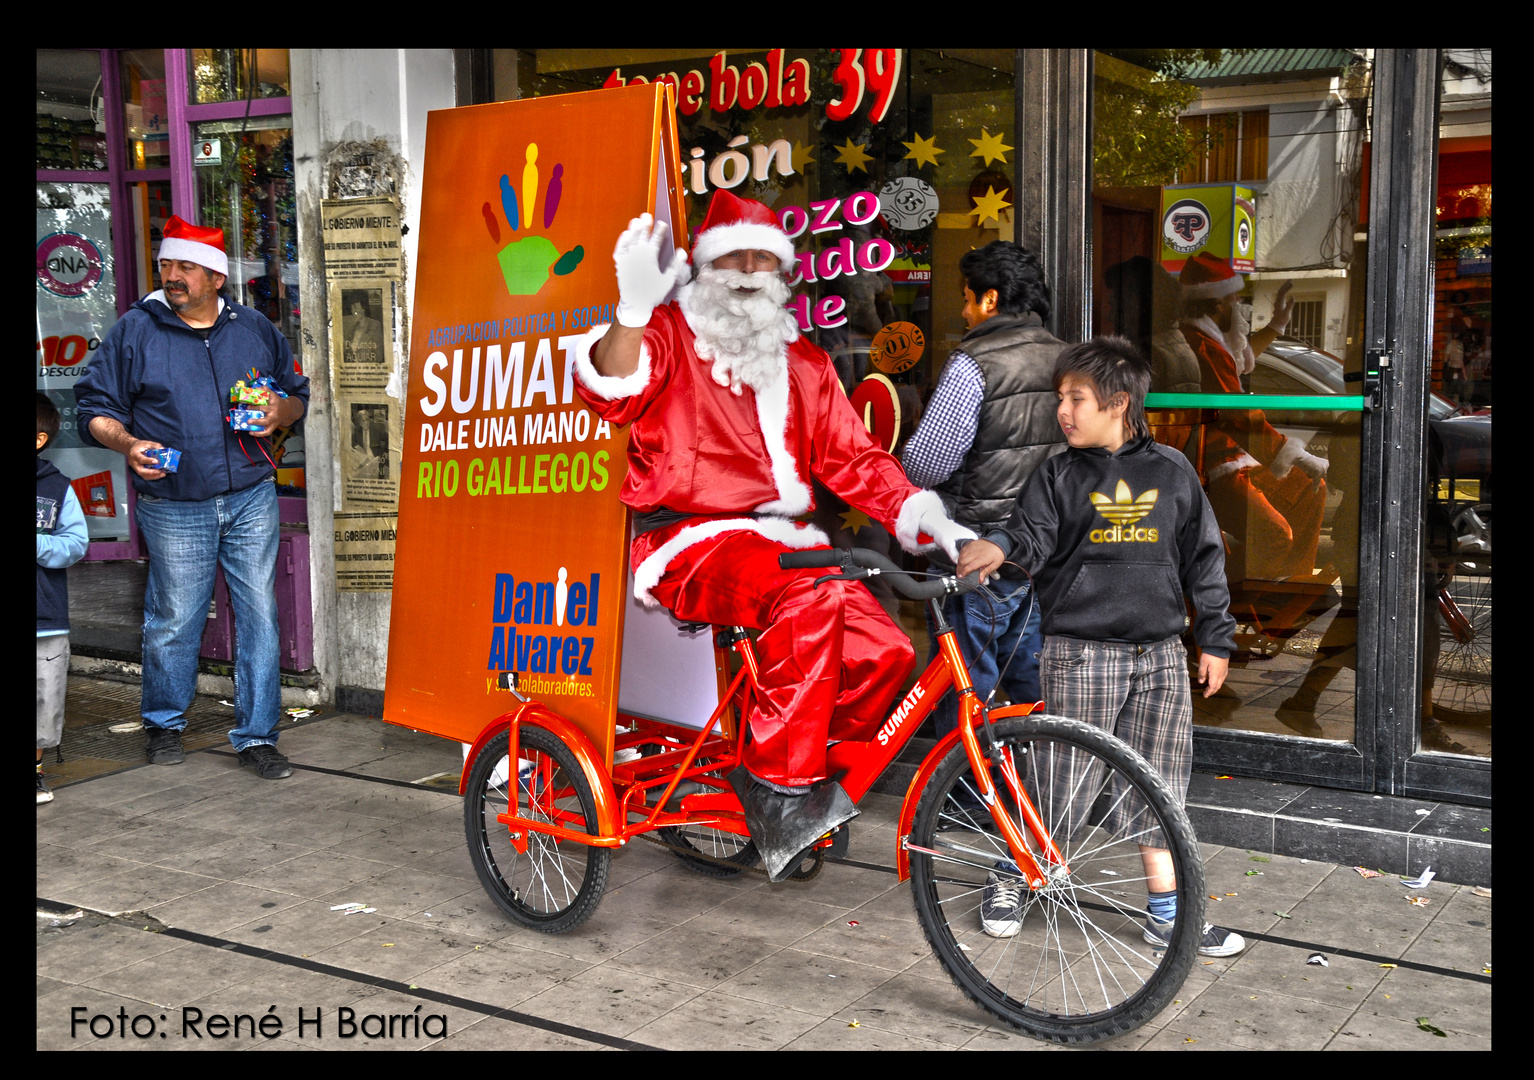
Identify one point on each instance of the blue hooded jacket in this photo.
(157, 376)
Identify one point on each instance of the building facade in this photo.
(1364, 177)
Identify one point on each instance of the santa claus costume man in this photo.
(733, 413)
(1266, 488)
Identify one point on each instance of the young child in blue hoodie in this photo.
(61, 540)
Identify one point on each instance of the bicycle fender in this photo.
(924, 773)
(609, 818)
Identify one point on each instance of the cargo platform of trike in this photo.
(1049, 811)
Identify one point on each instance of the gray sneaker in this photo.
(1216, 941)
(164, 746)
(266, 761)
(43, 793)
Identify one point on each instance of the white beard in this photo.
(743, 334)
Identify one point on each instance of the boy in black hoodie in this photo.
(1117, 531)
(61, 540)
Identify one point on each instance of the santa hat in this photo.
(736, 224)
(1205, 277)
(196, 244)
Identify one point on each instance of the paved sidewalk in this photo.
(207, 893)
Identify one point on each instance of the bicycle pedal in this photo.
(841, 838)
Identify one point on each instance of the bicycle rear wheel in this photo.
(1079, 969)
(554, 885)
(1462, 685)
(738, 852)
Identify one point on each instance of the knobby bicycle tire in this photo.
(556, 884)
(738, 851)
(1079, 969)
(1462, 684)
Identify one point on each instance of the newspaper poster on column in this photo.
(512, 550)
(364, 271)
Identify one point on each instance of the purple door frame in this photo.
(183, 116)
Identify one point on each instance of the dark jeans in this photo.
(1007, 623)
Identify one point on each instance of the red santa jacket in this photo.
(697, 448)
(1238, 432)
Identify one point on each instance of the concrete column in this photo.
(346, 103)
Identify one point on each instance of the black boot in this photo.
(783, 826)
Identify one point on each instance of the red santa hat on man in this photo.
(196, 244)
(1205, 277)
(736, 224)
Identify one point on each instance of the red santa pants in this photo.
(830, 658)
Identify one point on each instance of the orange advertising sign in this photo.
(512, 544)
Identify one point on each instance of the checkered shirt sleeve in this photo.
(948, 427)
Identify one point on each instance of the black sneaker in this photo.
(268, 763)
(43, 794)
(164, 747)
(1216, 941)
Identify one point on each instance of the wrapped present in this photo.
(243, 393)
(246, 419)
(165, 458)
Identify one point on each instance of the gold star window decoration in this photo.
(923, 151)
(801, 157)
(989, 206)
(852, 156)
(990, 148)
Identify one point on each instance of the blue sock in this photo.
(1162, 905)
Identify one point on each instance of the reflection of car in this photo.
(1458, 654)
(1459, 439)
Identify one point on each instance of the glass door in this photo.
(1452, 744)
(1229, 243)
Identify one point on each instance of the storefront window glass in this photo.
(1256, 158)
(71, 122)
(1456, 623)
(249, 194)
(76, 307)
(919, 171)
(150, 203)
(886, 165)
(236, 74)
(146, 120)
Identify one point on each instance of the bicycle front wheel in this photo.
(554, 885)
(1079, 969)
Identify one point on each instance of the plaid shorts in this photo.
(1140, 693)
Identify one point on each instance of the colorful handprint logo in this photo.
(525, 263)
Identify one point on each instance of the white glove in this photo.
(946, 532)
(642, 284)
(1294, 455)
(1312, 466)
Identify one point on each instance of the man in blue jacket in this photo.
(161, 380)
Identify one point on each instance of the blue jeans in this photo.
(187, 542)
(1016, 624)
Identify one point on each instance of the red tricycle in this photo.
(1053, 809)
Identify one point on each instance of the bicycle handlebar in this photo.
(850, 562)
